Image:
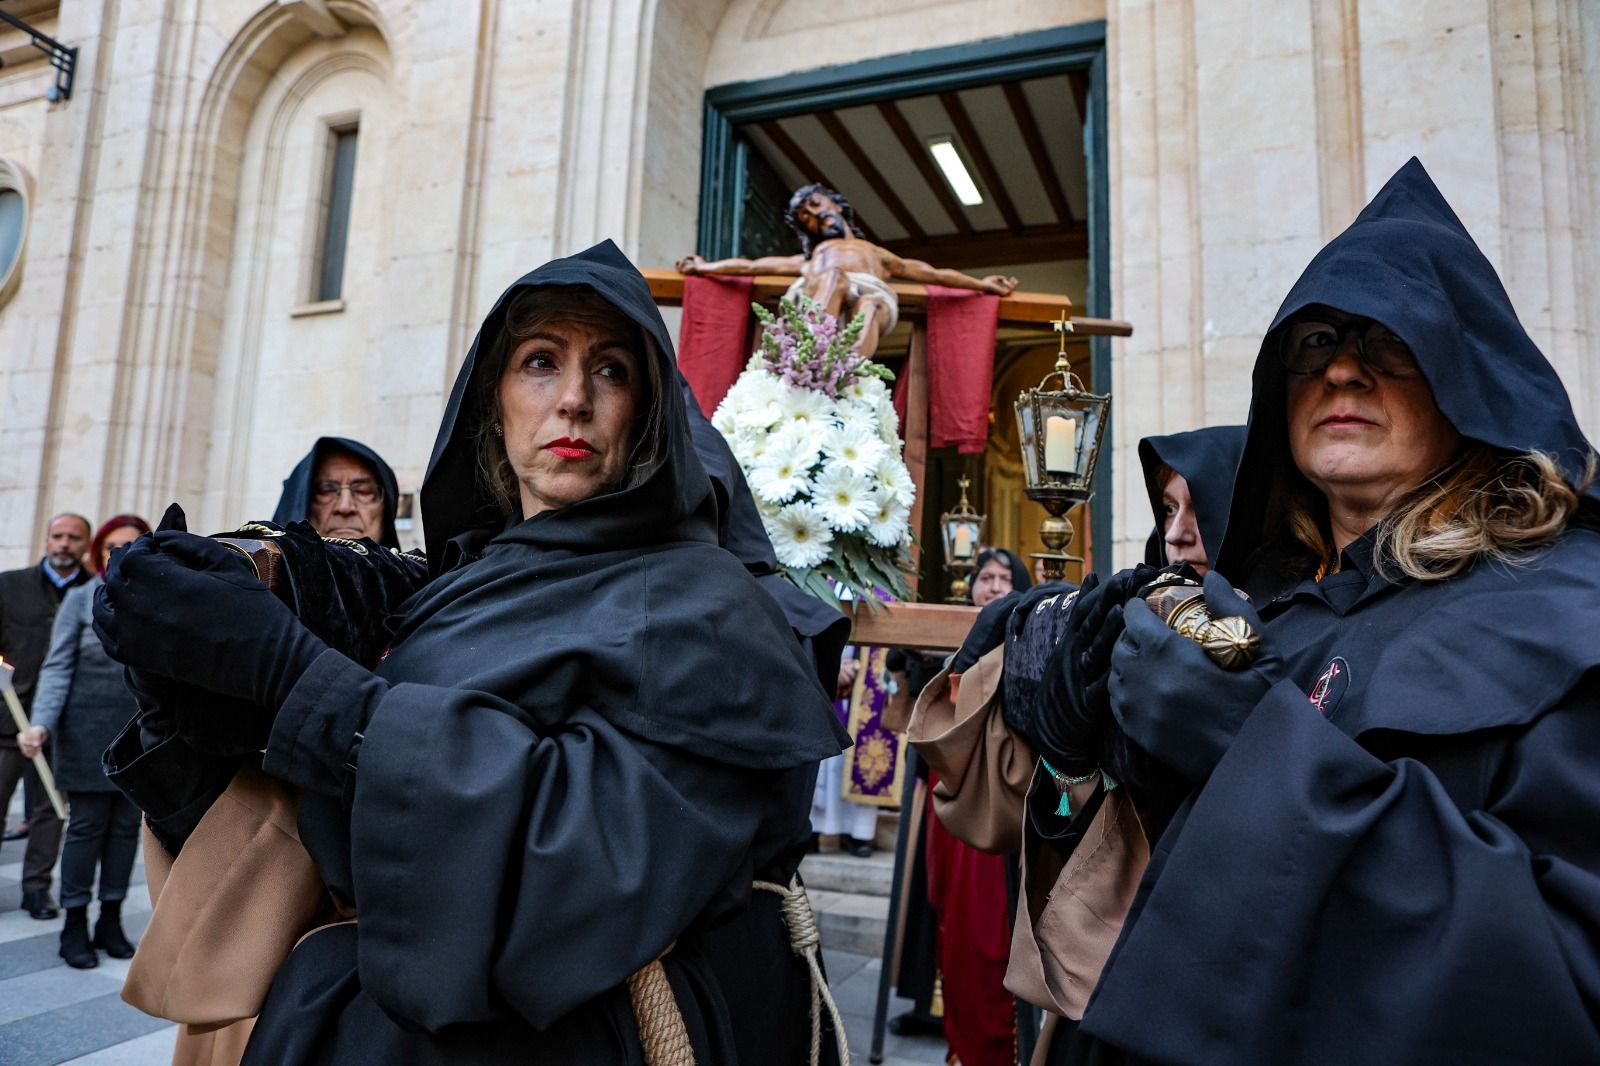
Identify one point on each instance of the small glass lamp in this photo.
(1060, 430)
(963, 536)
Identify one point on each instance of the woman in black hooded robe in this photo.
(1389, 857)
(552, 779)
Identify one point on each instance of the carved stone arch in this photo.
(14, 178)
(206, 214)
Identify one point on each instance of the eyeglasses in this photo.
(1310, 345)
(363, 491)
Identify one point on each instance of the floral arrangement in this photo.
(815, 431)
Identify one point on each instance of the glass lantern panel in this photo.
(1064, 425)
(1028, 435)
(1088, 433)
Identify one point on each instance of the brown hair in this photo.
(528, 313)
(1483, 504)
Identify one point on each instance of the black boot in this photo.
(75, 947)
(108, 935)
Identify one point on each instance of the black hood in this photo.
(294, 505)
(675, 503)
(1409, 263)
(1021, 580)
(1207, 459)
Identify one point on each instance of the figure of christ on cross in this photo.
(841, 271)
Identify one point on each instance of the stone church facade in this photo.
(166, 326)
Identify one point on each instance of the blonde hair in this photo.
(1484, 504)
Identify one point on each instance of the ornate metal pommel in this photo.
(1180, 602)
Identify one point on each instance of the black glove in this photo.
(986, 633)
(1172, 700)
(1077, 698)
(185, 607)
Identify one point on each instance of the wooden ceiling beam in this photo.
(1029, 127)
(919, 157)
(803, 163)
(1032, 244)
(968, 133)
(836, 129)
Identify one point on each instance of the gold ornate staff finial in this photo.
(1063, 326)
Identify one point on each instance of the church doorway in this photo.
(989, 158)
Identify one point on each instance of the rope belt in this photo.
(655, 1009)
(804, 941)
(661, 1030)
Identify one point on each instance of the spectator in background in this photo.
(998, 573)
(80, 703)
(29, 599)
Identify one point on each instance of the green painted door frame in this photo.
(1031, 55)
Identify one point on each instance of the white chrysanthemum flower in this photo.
(844, 497)
(783, 469)
(857, 411)
(855, 445)
(864, 390)
(749, 445)
(805, 405)
(725, 419)
(800, 536)
(893, 477)
(888, 420)
(889, 524)
(804, 439)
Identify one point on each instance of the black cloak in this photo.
(1205, 458)
(294, 505)
(822, 629)
(591, 733)
(1395, 859)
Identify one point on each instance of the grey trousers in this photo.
(103, 830)
(44, 828)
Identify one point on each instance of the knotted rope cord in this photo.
(804, 940)
(655, 1010)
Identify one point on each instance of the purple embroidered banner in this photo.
(874, 767)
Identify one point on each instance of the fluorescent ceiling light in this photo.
(955, 171)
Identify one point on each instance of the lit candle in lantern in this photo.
(1061, 445)
(963, 543)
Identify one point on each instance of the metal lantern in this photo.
(963, 537)
(1060, 430)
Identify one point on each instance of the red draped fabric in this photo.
(714, 342)
(961, 331)
(968, 891)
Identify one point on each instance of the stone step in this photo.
(835, 871)
(850, 921)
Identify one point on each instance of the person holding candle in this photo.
(29, 599)
(80, 703)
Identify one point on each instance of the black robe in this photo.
(558, 778)
(1395, 859)
(294, 502)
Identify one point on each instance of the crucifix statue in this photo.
(840, 270)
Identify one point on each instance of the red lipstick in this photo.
(571, 448)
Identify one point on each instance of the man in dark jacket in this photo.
(28, 601)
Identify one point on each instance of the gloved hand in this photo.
(188, 608)
(986, 633)
(1172, 700)
(1077, 700)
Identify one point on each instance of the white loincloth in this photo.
(861, 284)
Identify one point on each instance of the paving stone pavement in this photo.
(51, 1014)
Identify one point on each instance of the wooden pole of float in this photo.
(20, 717)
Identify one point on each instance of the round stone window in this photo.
(13, 227)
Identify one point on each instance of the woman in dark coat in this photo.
(1389, 855)
(81, 702)
(554, 779)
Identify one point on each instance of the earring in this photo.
(496, 430)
